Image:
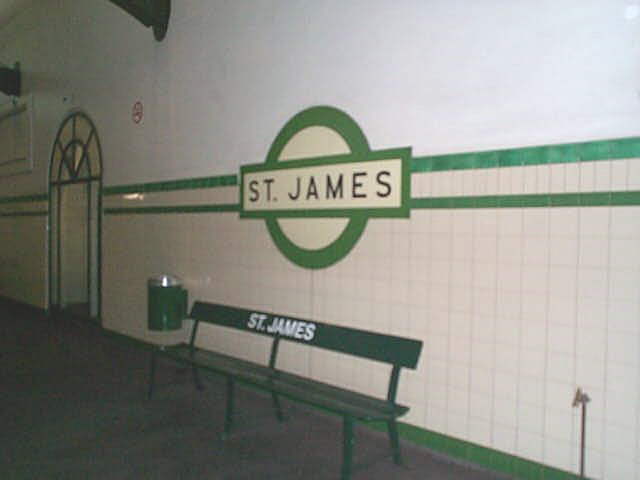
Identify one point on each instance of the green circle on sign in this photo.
(348, 129)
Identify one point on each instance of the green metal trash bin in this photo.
(167, 303)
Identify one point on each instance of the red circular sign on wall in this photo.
(137, 112)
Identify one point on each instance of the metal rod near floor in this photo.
(581, 398)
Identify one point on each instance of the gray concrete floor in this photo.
(73, 406)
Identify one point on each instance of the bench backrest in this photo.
(398, 351)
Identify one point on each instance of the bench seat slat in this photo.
(338, 400)
(224, 364)
(291, 383)
(308, 391)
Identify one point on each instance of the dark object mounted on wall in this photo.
(151, 13)
(10, 80)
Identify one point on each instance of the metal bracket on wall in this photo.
(151, 13)
(10, 80)
(581, 399)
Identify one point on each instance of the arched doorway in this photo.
(75, 210)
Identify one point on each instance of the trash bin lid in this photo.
(164, 281)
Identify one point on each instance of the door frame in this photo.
(59, 165)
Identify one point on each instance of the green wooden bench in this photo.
(352, 406)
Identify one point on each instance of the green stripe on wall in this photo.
(567, 153)
(25, 198)
(592, 199)
(186, 184)
(554, 154)
(543, 155)
(35, 213)
(174, 209)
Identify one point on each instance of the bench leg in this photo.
(152, 374)
(393, 439)
(277, 407)
(347, 447)
(228, 419)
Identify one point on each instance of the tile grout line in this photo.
(495, 323)
(521, 323)
(575, 448)
(472, 308)
(545, 375)
(637, 463)
(429, 230)
(449, 288)
(606, 342)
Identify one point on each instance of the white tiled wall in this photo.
(23, 263)
(516, 308)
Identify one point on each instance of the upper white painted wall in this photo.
(442, 76)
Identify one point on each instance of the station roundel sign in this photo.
(320, 184)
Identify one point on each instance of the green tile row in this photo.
(592, 199)
(34, 213)
(567, 153)
(25, 198)
(185, 184)
(552, 154)
(173, 209)
(482, 456)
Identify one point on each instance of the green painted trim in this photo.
(94, 178)
(35, 213)
(25, 198)
(172, 185)
(552, 154)
(591, 199)
(488, 458)
(99, 240)
(394, 212)
(173, 209)
(351, 133)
